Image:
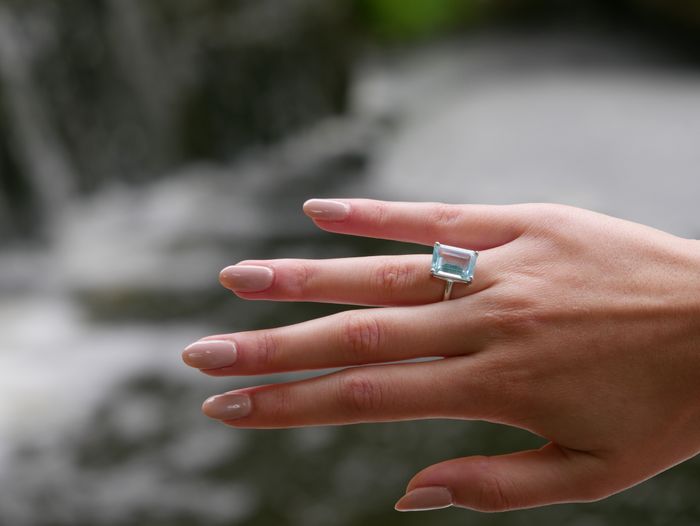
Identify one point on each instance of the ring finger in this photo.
(448, 388)
(374, 280)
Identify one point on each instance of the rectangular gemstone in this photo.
(453, 263)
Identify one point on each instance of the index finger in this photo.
(477, 227)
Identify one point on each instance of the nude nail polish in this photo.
(210, 354)
(326, 209)
(246, 278)
(422, 499)
(228, 406)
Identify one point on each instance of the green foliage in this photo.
(409, 19)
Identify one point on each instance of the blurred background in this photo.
(146, 144)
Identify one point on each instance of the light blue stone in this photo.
(453, 263)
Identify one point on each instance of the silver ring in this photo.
(453, 264)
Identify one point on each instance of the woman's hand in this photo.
(579, 327)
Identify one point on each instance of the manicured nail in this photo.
(428, 498)
(326, 209)
(227, 406)
(246, 278)
(210, 354)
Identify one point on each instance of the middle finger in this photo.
(347, 338)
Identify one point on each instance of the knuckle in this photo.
(276, 405)
(392, 277)
(490, 493)
(358, 393)
(361, 335)
(266, 348)
(380, 213)
(552, 217)
(513, 315)
(444, 215)
(298, 277)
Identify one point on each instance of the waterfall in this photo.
(31, 138)
(102, 90)
(145, 71)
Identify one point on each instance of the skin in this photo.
(579, 327)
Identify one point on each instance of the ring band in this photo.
(453, 264)
(448, 290)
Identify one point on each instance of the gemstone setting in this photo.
(453, 263)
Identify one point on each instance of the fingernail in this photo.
(227, 406)
(246, 278)
(210, 354)
(326, 209)
(428, 498)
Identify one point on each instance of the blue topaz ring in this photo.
(453, 264)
